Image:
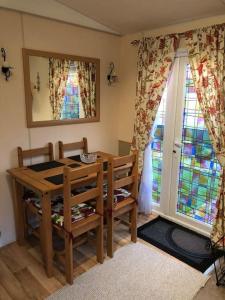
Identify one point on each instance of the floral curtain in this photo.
(155, 58)
(207, 60)
(58, 75)
(87, 84)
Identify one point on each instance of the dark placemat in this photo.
(184, 244)
(45, 166)
(75, 157)
(105, 166)
(56, 179)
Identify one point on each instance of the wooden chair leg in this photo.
(110, 225)
(69, 258)
(41, 230)
(99, 245)
(133, 218)
(25, 216)
(130, 222)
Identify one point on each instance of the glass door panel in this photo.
(157, 149)
(199, 169)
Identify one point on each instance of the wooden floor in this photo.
(22, 275)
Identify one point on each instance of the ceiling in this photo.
(119, 16)
(130, 16)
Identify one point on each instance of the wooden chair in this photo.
(44, 151)
(69, 228)
(82, 145)
(31, 211)
(122, 173)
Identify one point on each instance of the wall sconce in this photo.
(112, 77)
(37, 86)
(6, 68)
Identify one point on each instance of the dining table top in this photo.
(39, 180)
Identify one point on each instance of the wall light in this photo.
(112, 77)
(6, 68)
(37, 86)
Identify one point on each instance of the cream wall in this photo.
(19, 30)
(128, 58)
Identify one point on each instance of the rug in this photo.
(183, 243)
(137, 272)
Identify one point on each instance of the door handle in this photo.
(178, 144)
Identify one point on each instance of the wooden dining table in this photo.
(38, 181)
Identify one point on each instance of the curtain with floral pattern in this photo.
(155, 58)
(207, 60)
(58, 75)
(87, 84)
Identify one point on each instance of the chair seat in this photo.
(124, 203)
(119, 194)
(78, 212)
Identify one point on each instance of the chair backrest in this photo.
(122, 173)
(76, 178)
(25, 154)
(82, 145)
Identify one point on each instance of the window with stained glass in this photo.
(71, 103)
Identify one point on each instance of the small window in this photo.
(72, 105)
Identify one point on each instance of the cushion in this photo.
(78, 212)
(119, 194)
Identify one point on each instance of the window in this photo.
(72, 106)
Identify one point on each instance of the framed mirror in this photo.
(60, 88)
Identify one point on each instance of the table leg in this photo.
(18, 211)
(46, 233)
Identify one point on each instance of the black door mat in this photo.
(45, 166)
(186, 245)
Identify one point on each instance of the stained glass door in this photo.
(199, 170)
(185, 170)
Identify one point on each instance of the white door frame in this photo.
(171, 143)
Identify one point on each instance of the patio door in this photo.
(185, 170)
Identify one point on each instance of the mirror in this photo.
(60, 88)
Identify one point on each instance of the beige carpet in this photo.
(136, 272)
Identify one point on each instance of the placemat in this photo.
(75, 157)
(56, 179)
(105, 166)
(45, 166)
